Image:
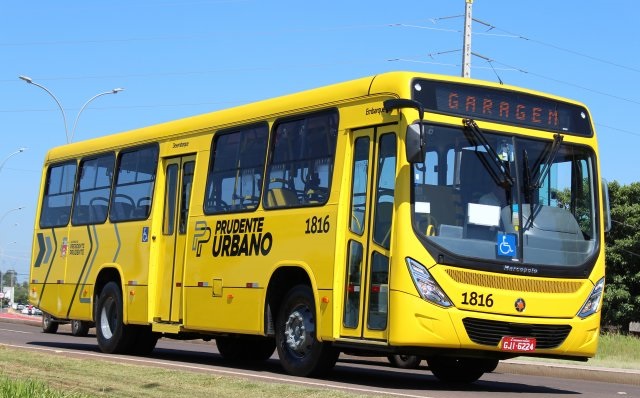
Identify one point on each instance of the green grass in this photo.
(11, 388)
(27, 374)
(618, 351)
(614, 351)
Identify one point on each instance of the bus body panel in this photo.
(213, 277)
(429, 326)
(239, 256)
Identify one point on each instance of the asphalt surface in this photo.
(513, 366)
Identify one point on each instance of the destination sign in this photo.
(503, 106)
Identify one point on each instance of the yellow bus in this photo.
(451, 219)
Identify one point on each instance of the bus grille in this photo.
(520, 284)
(487, 332)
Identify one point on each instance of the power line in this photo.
(627, 251)
(570, 84)
(205, 36)
(559, 48)
(509, 34)
(619, 129)
(625, 224)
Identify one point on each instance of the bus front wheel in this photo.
(112, 334)
(300, 351)
(457, 370)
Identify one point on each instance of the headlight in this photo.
(427, 286)
(592, 305)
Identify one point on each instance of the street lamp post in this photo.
(13, 242)
(64, 116)
(9, 211)
(73, 130)
(19, 150)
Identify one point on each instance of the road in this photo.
(365, 376)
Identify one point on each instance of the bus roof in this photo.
(394, 84)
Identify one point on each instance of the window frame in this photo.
(209, 209)
(44, 209)
(285, 183)
(150, 191)
(87, 219)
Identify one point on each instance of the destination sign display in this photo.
(503, 106)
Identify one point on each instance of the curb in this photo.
(567, 371)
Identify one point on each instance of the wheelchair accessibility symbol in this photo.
(506, 245)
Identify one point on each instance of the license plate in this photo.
(518, 344)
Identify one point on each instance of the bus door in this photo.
(177, 197)
(366, 290)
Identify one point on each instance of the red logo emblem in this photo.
(520, 305)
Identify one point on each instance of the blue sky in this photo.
(180, 58)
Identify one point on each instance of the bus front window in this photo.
(501, 198)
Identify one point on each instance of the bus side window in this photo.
(234, 182)
(58, 195)
(94, 189)
(133, 188)
(301, 161)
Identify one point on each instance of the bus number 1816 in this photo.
(317, 225)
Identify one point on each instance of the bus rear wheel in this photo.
(112, 334)
(80, 328)
(48, 324)
(300, 351)
(457, 370)
(405, 361)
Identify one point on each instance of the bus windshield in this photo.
(491, 196)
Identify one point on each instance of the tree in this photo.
(9, 278)
(622, 291)
(21, 293)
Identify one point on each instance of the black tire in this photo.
(457, 370)
(300, 352)
(405, 361)
(248, 348)
(112, 334)
(489, 365)
(48, 324)
(80, 328)
(144, 340)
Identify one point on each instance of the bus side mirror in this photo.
(415, 140)
(415, 144)
(605, 206)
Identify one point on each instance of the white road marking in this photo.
(15, 331)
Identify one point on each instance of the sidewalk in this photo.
(11, 314)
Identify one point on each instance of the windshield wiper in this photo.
(551, 151)
(528, 192)
(541, 173)
(502, 179)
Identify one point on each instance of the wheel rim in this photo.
(46, 320)
(108, 318)
(299, 331)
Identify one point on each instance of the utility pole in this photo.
(466, 45)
